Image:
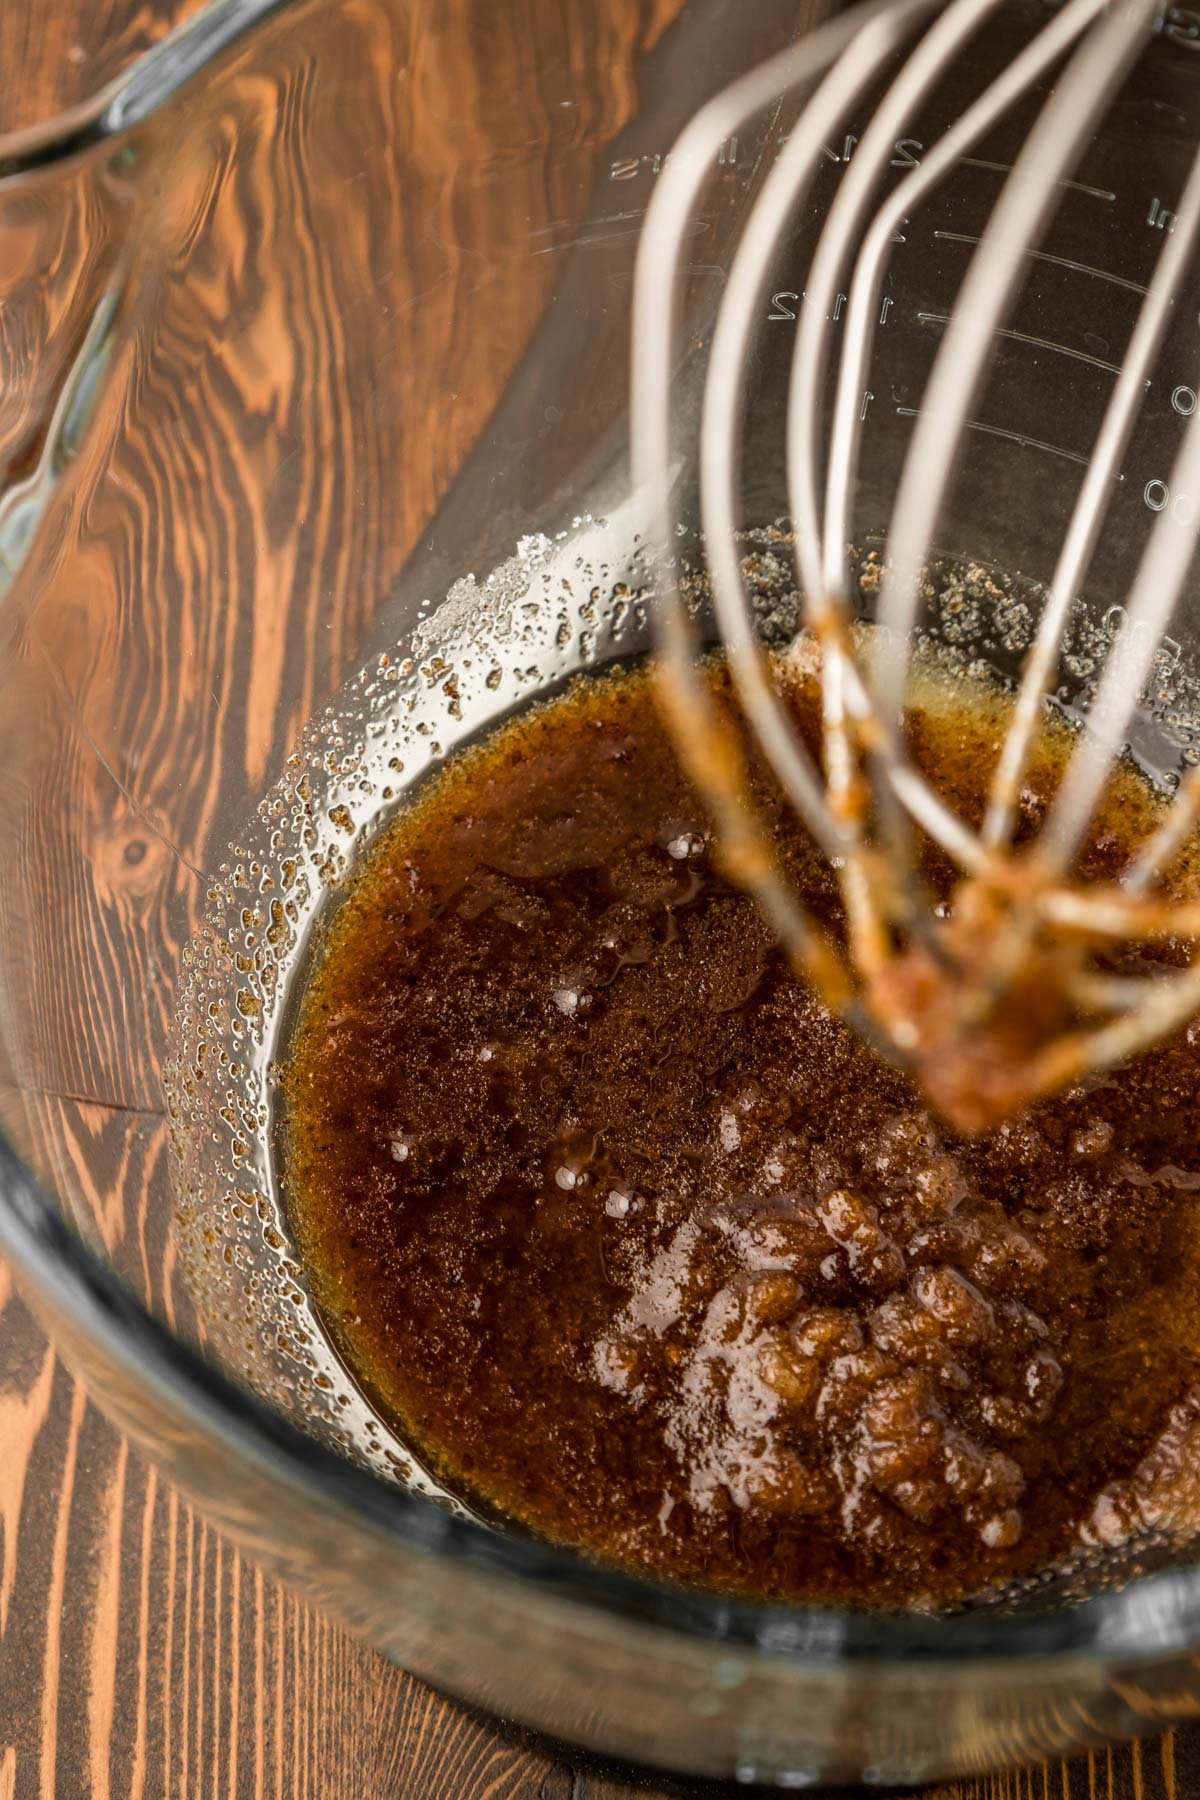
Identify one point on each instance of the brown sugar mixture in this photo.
(641, 1249)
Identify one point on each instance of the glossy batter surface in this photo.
(643, 1250)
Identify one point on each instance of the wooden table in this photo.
(139, 1655)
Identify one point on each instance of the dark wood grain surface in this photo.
(139, 1655)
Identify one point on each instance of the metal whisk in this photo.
(1008, 993)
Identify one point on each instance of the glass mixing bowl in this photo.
(314, 339)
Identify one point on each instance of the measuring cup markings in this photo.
(1063, 262)
(784, 303)
(1160, 217)
(786, 298)
(999, 168)
(906, 155)
(1020, 438)
(909, 151)
(1040, 343)
(1158, 497)
(1156, 493)
(653, 162)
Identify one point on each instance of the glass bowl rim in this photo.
(138, 91)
